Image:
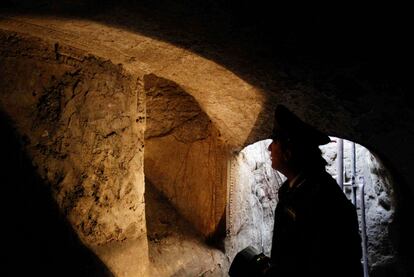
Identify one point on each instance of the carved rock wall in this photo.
(184, 157)
(80, 120)
(252, 199)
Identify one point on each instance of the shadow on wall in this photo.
(37, 240)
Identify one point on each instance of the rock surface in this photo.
(175, 247)
(252, 200)
(79, 117)
(184, 157)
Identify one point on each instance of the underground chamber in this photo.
(142, 146)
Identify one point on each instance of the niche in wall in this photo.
(184, 157)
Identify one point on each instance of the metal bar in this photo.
(340, 163)
(353, 178)
(364, 230)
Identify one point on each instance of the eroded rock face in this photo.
(380, 214)
(184, 157)
(80, 119)
(252, 200)
(171, 110)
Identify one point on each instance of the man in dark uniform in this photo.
(316, 228)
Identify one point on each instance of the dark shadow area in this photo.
(37, 240)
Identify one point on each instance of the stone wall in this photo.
(184, 157)
(253, 187)
(79, 119)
